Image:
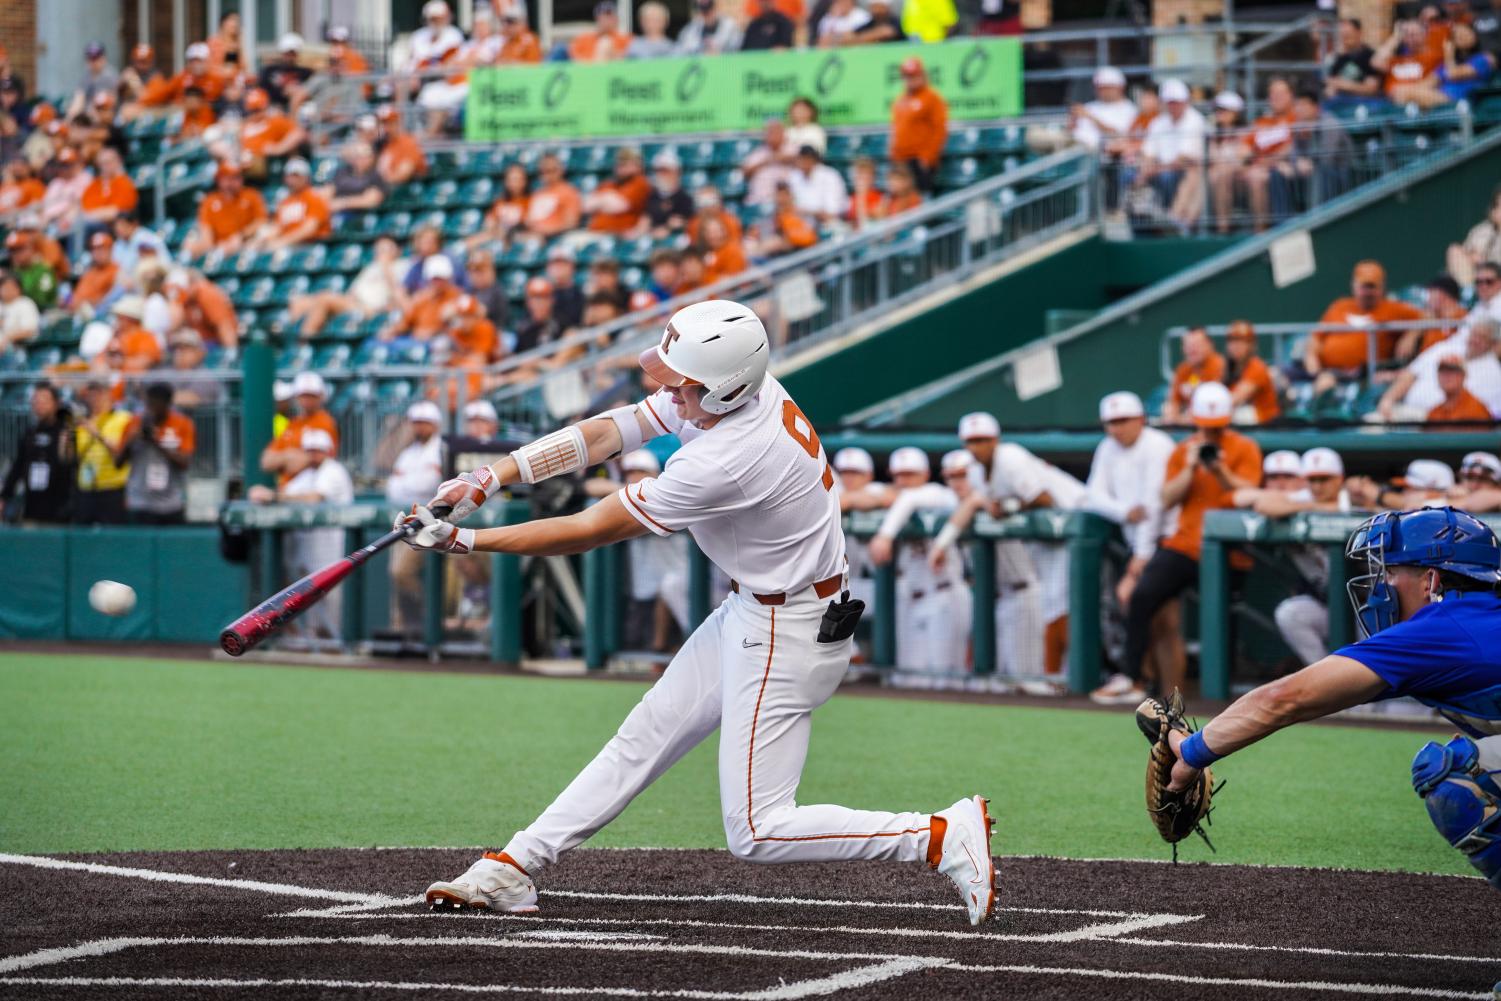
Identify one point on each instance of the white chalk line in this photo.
(1381, 990)
(1311, 950)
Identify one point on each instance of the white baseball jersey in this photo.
(914, 575)
(1121, 478)
(1018, 473)
(416, 473)
(755, 491)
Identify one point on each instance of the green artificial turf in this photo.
(107, 753)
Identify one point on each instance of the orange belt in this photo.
(825, 588)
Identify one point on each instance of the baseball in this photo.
(110, 597)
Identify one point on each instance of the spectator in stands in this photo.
(134, 348)
(485, 287)
(1266, 146)
(707, 204)
(1442, 302)
(562, 277)
(707, 31)
(883, 26)
(1465, 68)
(868, 204)
(43, 461)
(133, 242)
(199, 305)
(159, 445)
(840, 23)
(228, 216)
(99, 77)
(196, 75)
(224, 44)
(431, 306)
(37, 279)
(1349, 77)
(156, 314)
(768, 165)
(267, 134)
(1482, 244)
(541, 325)
(768, 29)
(401, 158)
(197, 114)
(723, 254)
(1459, 404)
(432, 44)
(481, 422)
(1109, 116)
(356, 185)
(286, 454)
(617, 205)
(1420, 387)
(1225, 151)
(1201, 363)
(919, 124)
(20, 321)
(668, 207)
(377, 289)
(518, 45)
(556, 206)
(1125, 478)
(415, 475)
(818, 190)
(136, 79)
(1318, 166)
(62, 202)
(110, 192)
(1203, 474)
(100, 280)
(784, 231)
(343, 58)
(803, 128)
(664, 269)
(604, 280)
(605, 42)
(302, 216)
(443, 98)
(21, 189)
(1250, 379)
(103, 466)
(653, 43)
(865, 197)
(187, 356)
(1174, 146)
(507, 214)
(427, 241)
(1406, 58)
(932, 21)
(1334, 355)
(690, 270)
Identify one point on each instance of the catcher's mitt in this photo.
(1181, 813)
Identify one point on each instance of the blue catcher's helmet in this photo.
(1443, 538)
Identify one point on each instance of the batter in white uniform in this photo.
(752, 486)
(933, 605)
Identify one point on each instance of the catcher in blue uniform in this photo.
(1430, 612)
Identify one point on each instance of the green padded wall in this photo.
(32, 584)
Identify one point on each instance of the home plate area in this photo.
(698, 924)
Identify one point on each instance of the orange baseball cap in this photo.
(1241, 330)
(67, 155)
(539, 286)
(1370, 273)
(257, 99)
(227, 168)
(42, 114)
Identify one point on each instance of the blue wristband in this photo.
(1195, 753)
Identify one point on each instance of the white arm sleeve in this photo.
(628, 423)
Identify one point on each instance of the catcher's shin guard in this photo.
(1464, 802)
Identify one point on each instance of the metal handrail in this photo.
(189, 149)
(1285, 334)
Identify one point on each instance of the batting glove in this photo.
(465, 493)
(427, 532)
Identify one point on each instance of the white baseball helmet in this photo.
(719, 345)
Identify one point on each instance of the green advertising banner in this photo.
(980, 79)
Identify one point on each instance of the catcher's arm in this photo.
(1328, 686)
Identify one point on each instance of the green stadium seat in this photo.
(477, 193)
(343, 327)
(345, 258)
(729, 152)
(294, 357)
(332, 356)
(255, 293)
(462, 223)
(441, 194)
(398, 224)
(698, 155)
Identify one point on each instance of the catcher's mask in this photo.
(1442, 538)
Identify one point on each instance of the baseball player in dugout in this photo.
(753, 487)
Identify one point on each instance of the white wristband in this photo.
(628, 424)
(552, 455)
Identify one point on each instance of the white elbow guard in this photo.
(552, 455)
(628, 424)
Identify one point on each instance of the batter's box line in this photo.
(879, 966)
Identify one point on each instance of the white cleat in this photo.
(494, 883)
(1118, 691)
(964, 855)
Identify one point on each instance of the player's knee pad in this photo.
(1463, 802)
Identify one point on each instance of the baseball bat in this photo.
(246, 632)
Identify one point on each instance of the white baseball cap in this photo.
(959, 460)
(289, 42)
(1211, 405)
(132, 307)
(434, 8)
(309, 383)
(854, 460)
(1484, 460)
(297, 165)
(1429, 474)
(198, 50)
(437, 266)
(96, 337)
(978, 425)
(1230, 101)
(641, 461)
(317, 440)
(281, 391)
(427, 411)
(1323, 461)
(481, 408)
(666, 160)
(1283, 462)
(1173, 89)
(1121, 405)
(1109, 76)
(908, 459)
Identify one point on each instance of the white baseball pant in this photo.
(932, 632)
(1018, 631)
(1303, 621)
(1489, 753)
(756, 672)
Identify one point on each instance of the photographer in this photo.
(1203, 474)
(160, 445)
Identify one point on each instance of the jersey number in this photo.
(801, 429)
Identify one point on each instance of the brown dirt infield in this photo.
(698, 924)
